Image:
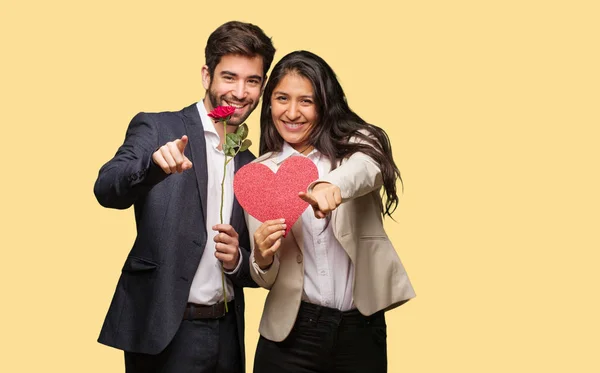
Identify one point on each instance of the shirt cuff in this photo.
(237, 267)
(310, 187)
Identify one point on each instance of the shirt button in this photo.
(323, 272)
(319, 240)
(299, 258)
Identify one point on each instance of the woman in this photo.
(334, 275)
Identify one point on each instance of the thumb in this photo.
(307, 198)
(181, 143)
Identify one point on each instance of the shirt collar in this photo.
(207, 123)
(287, 151)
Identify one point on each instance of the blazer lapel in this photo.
(197, 145)
(297, 233)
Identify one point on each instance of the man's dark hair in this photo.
(238, 38)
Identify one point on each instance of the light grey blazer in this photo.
(380, 280)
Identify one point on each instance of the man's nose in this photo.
(240, 92)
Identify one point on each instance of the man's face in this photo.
(237, 81)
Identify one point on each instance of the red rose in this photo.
(221, 112)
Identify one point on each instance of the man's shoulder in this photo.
(246, 157)
(168, 118)
(186, 111)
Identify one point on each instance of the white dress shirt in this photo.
(207, 287)
(328, 270)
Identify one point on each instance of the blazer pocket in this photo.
(375, 237)
(135, 264)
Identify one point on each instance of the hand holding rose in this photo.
(226, 246)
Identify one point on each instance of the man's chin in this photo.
(236, 120)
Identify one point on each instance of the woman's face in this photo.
(293, 110)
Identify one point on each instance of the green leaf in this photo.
(235, 138)
(226, 148)
(245, 145)
(231, 142)
(242, 131)
(231, 152)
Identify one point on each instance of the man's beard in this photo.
(234, 120)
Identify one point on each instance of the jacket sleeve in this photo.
(356, 176)
(264, 278)
(242, 277)
(131, 172)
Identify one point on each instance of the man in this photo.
(168, 311)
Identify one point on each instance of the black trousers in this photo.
(199, 346)
(327, 340)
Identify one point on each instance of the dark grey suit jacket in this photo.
(170, 212)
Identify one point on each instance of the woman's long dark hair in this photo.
(337, 123)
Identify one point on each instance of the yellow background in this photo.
(493, 112)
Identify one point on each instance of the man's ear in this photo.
(205, 77)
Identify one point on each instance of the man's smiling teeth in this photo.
(237, 106)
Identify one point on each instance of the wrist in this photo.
(232, 265)
(263, 263)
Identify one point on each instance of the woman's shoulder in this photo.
(363, 131)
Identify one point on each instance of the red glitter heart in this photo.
(267, 195)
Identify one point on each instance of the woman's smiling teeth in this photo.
(293, 125)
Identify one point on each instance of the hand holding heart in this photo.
(267, 240)
(269, 195)
(278, 200)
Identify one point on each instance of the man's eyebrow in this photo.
(226, 72)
